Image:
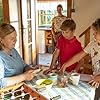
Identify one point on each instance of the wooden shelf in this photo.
(48, 40)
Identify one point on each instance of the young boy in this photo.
(93, 48)
(67, 46)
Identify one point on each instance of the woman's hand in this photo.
(28, 75)
(29, 67)
(95, 82)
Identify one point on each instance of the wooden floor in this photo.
(44, 59)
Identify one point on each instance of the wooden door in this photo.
(29, 30)
(21, 14)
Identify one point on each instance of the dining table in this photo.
(82, 91)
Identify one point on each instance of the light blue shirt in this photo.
(10, 65)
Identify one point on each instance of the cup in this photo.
(53, 77)
(75, 77)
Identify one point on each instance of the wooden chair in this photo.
(86, 68)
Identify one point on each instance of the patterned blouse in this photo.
(57, 21)
(94, 50)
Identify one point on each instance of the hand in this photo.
(61, 71)
(47, 71)
(28, 75)
(95, 82)
(29, 67)
(38, 67)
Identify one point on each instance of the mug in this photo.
(75, 77)
(53, 77)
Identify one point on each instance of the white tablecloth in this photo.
(71, 92)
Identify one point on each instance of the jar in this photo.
(62, 80)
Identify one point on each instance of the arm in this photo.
(53, 62)
(79, 65)
(73, 60)
(53, 32)
(54, 58)
(7, 81)
(26, 76)
(11, 79)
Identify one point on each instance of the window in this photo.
(1, 12)
(47, 10)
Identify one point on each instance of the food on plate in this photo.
(46, 82)
(43, 82)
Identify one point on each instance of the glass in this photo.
(62, 80)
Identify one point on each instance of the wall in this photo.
(41, 40)
(86, 11)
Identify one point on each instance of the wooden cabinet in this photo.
(48, 41)
(44, 40)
